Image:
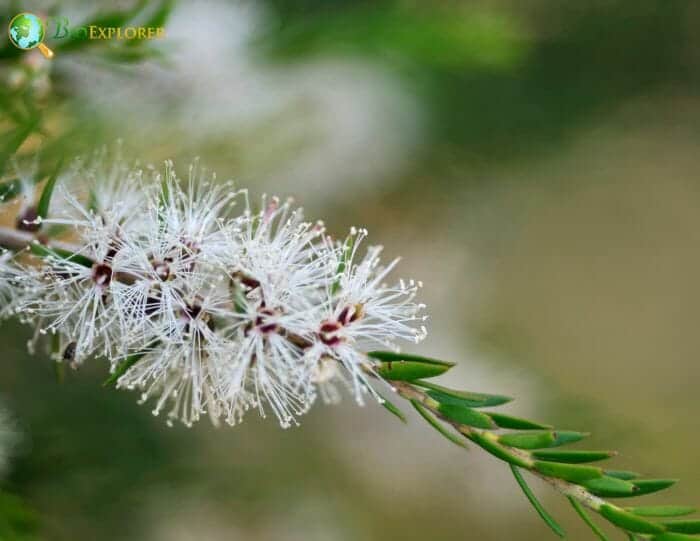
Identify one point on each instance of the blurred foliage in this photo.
(501, 83)
(17, 521)
(34, 98)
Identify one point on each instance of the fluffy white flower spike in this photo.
(360, 313)
(203, 310)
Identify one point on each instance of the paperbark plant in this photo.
(210, 310)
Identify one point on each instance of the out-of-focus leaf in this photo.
(649, 486)
(662, 510)
(682, 526)
(575, 473)
(123, 368)
(462, 398)
(587, 519)
(541, 511)
(516, 423)
(437, 425)
(402, 367)
(629, 521)
(573, 457)
(609, 487)
(42, 208)
(465, 416)
(622, 474)
(391, 407)
(540, 439)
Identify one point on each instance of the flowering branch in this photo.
(534, 448)
(211, 310)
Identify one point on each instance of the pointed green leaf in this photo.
(541, 439)
(573, 457)
(682, 526)
(489, 443)
(609, 487)
(629, 521)
(662, 510)
(515, 423)
(389, 406)
(670, 536)
(649, 486)
(528, 440)
(541, 511)
(465, 416)
(42, 208)
(454, 438)
(123, 368)
(401, 367)
(621, 474)
(462, 398)
(574, 473)
(587, 519)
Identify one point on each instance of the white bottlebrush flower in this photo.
(361, 313)
(77, 296)
(182, 365)
(202, 310)
(277, 278)
(193, 215)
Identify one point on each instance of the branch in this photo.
(527, 445)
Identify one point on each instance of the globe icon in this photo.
(26, 31)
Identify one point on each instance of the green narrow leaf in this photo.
(670, 536)
(454, 438)
(44, 251)
(515, 423)
(610, 487)
(465, 416)
(391, 407)
(573, 457)
(462, 398)
(649, 486)
(574, 473)
(682, 526)
(541, 511)
(42, 208)
(122, 369)
(587, 519)
(662, 510)
(621, 474)
(628, 521)
(528, 440)
(402, 367)
(540, 439)
(488, 443)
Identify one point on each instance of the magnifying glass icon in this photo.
(26, 32)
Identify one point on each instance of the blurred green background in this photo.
(535, 163)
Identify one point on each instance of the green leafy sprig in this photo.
(535, 448)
